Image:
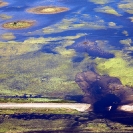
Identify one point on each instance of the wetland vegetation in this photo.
(18, 24)
(42, 58)
(47, 10)
(61, 121)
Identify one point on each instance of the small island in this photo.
(3, 3)
(47, 10)
(18, 24)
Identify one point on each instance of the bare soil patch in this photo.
(47, 10)
(3, 3)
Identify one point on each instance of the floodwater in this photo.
(47, 56)
(44, 59)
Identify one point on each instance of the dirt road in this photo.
(78, 106)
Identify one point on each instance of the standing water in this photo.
(67, 51)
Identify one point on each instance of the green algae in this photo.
(117, 67)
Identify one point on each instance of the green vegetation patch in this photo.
(107, 9)
(11, 48)
(46, 74)
(33, 100)
(71, 24)
(117, 67)
(51, 75)
(47, 10)
(39, 111)
(73, 123)
(20, 125)
(127, 6)
(18, 24)
(100, 1)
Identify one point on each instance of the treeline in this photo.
(23, 96)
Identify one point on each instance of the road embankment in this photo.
(77, 106)
(81, 107)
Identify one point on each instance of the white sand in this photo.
(127, 108)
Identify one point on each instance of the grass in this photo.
(28, 76)
(33, 100)
(15, 125)
(56, 123)
(117, 67)
(39, 111)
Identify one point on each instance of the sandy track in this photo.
(78, 106)
(127, 108)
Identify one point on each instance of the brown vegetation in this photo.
(103, 91)
(3, 3)
(92, 49)
(18, 24)
(47, 10)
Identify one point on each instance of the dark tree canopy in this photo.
(103, 91)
